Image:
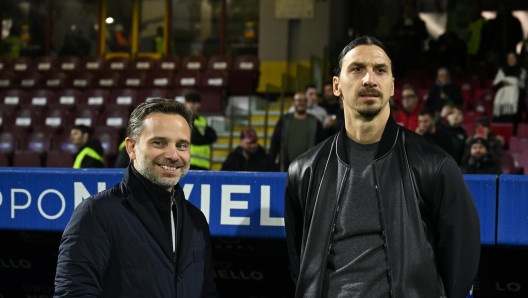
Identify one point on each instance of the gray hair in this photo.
(157, 105)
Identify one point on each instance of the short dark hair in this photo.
(363, 40)
(308, 86)
(427, 111)
(84, 129)
(410, 87)
(157, 105)
(192, 96)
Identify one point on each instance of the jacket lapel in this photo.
(148, 215)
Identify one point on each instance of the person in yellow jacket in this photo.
(202, 135)
(90, 154)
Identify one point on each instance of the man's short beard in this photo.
(369, 114)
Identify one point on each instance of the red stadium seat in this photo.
(522, 130)
(126, 97)
(39, 99)
(132, 79)
(213, 90)
(143, 64)
(57, 159)
(107, 79)
(80, 80)
(94, 99)
(12, 99)
(25, 119)
(502, 129)
(29, 79)
(55, 119)
(117, 64)
(68, 64)
(8, 142)
(159, 79)
(148, 94)
(44, 64)
(7, 79)
(243, 79)
(194, 62)
(67, 99)
(21, 64)
(4, 64)
(172, 63)
(55, 80)
(117, 118)
(93, 64)
(86, 117)
(220, 62)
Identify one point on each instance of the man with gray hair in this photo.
(141, 238)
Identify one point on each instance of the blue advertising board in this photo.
(235, 203)
(512, 222)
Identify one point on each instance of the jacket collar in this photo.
(141, 200)
(387, 142)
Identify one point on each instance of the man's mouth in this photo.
(168, 168)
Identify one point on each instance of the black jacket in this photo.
(280, 135)
(89, 162)
(116, 245)
(428, 215)
(257, 162)
(483, 166)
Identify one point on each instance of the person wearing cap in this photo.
(202, 135)
(479, 161)
(249, 156)
(90, 154)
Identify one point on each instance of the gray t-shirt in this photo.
(356, 265)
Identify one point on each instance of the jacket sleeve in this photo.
(293, 220)
(83, 254)
(228, 163)
(457, 230)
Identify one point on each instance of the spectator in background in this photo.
(444, 92)
(495, 142)
(310, 92)
(479, 161)
(450, 51)
(453, 127)
(510, 88)
(295, 133)
(336, 121)
(407, 114)
(505, 33)
(330, 102)
(474, 39)
(410, 32)
(203, 136)
(90, 154)
(427, 129)
(249, 156)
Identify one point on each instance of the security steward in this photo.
(90, 154)
(202, 135)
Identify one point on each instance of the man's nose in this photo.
(172, 153)
(368, 79)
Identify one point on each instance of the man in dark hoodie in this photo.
(90, 154)
(249, 156)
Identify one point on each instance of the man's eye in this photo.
(183, 146)
(356, 69)
(157, 143)
(382, 70)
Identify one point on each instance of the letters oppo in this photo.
(22, 199)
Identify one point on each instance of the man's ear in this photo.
(130, 146)
(336, 87)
